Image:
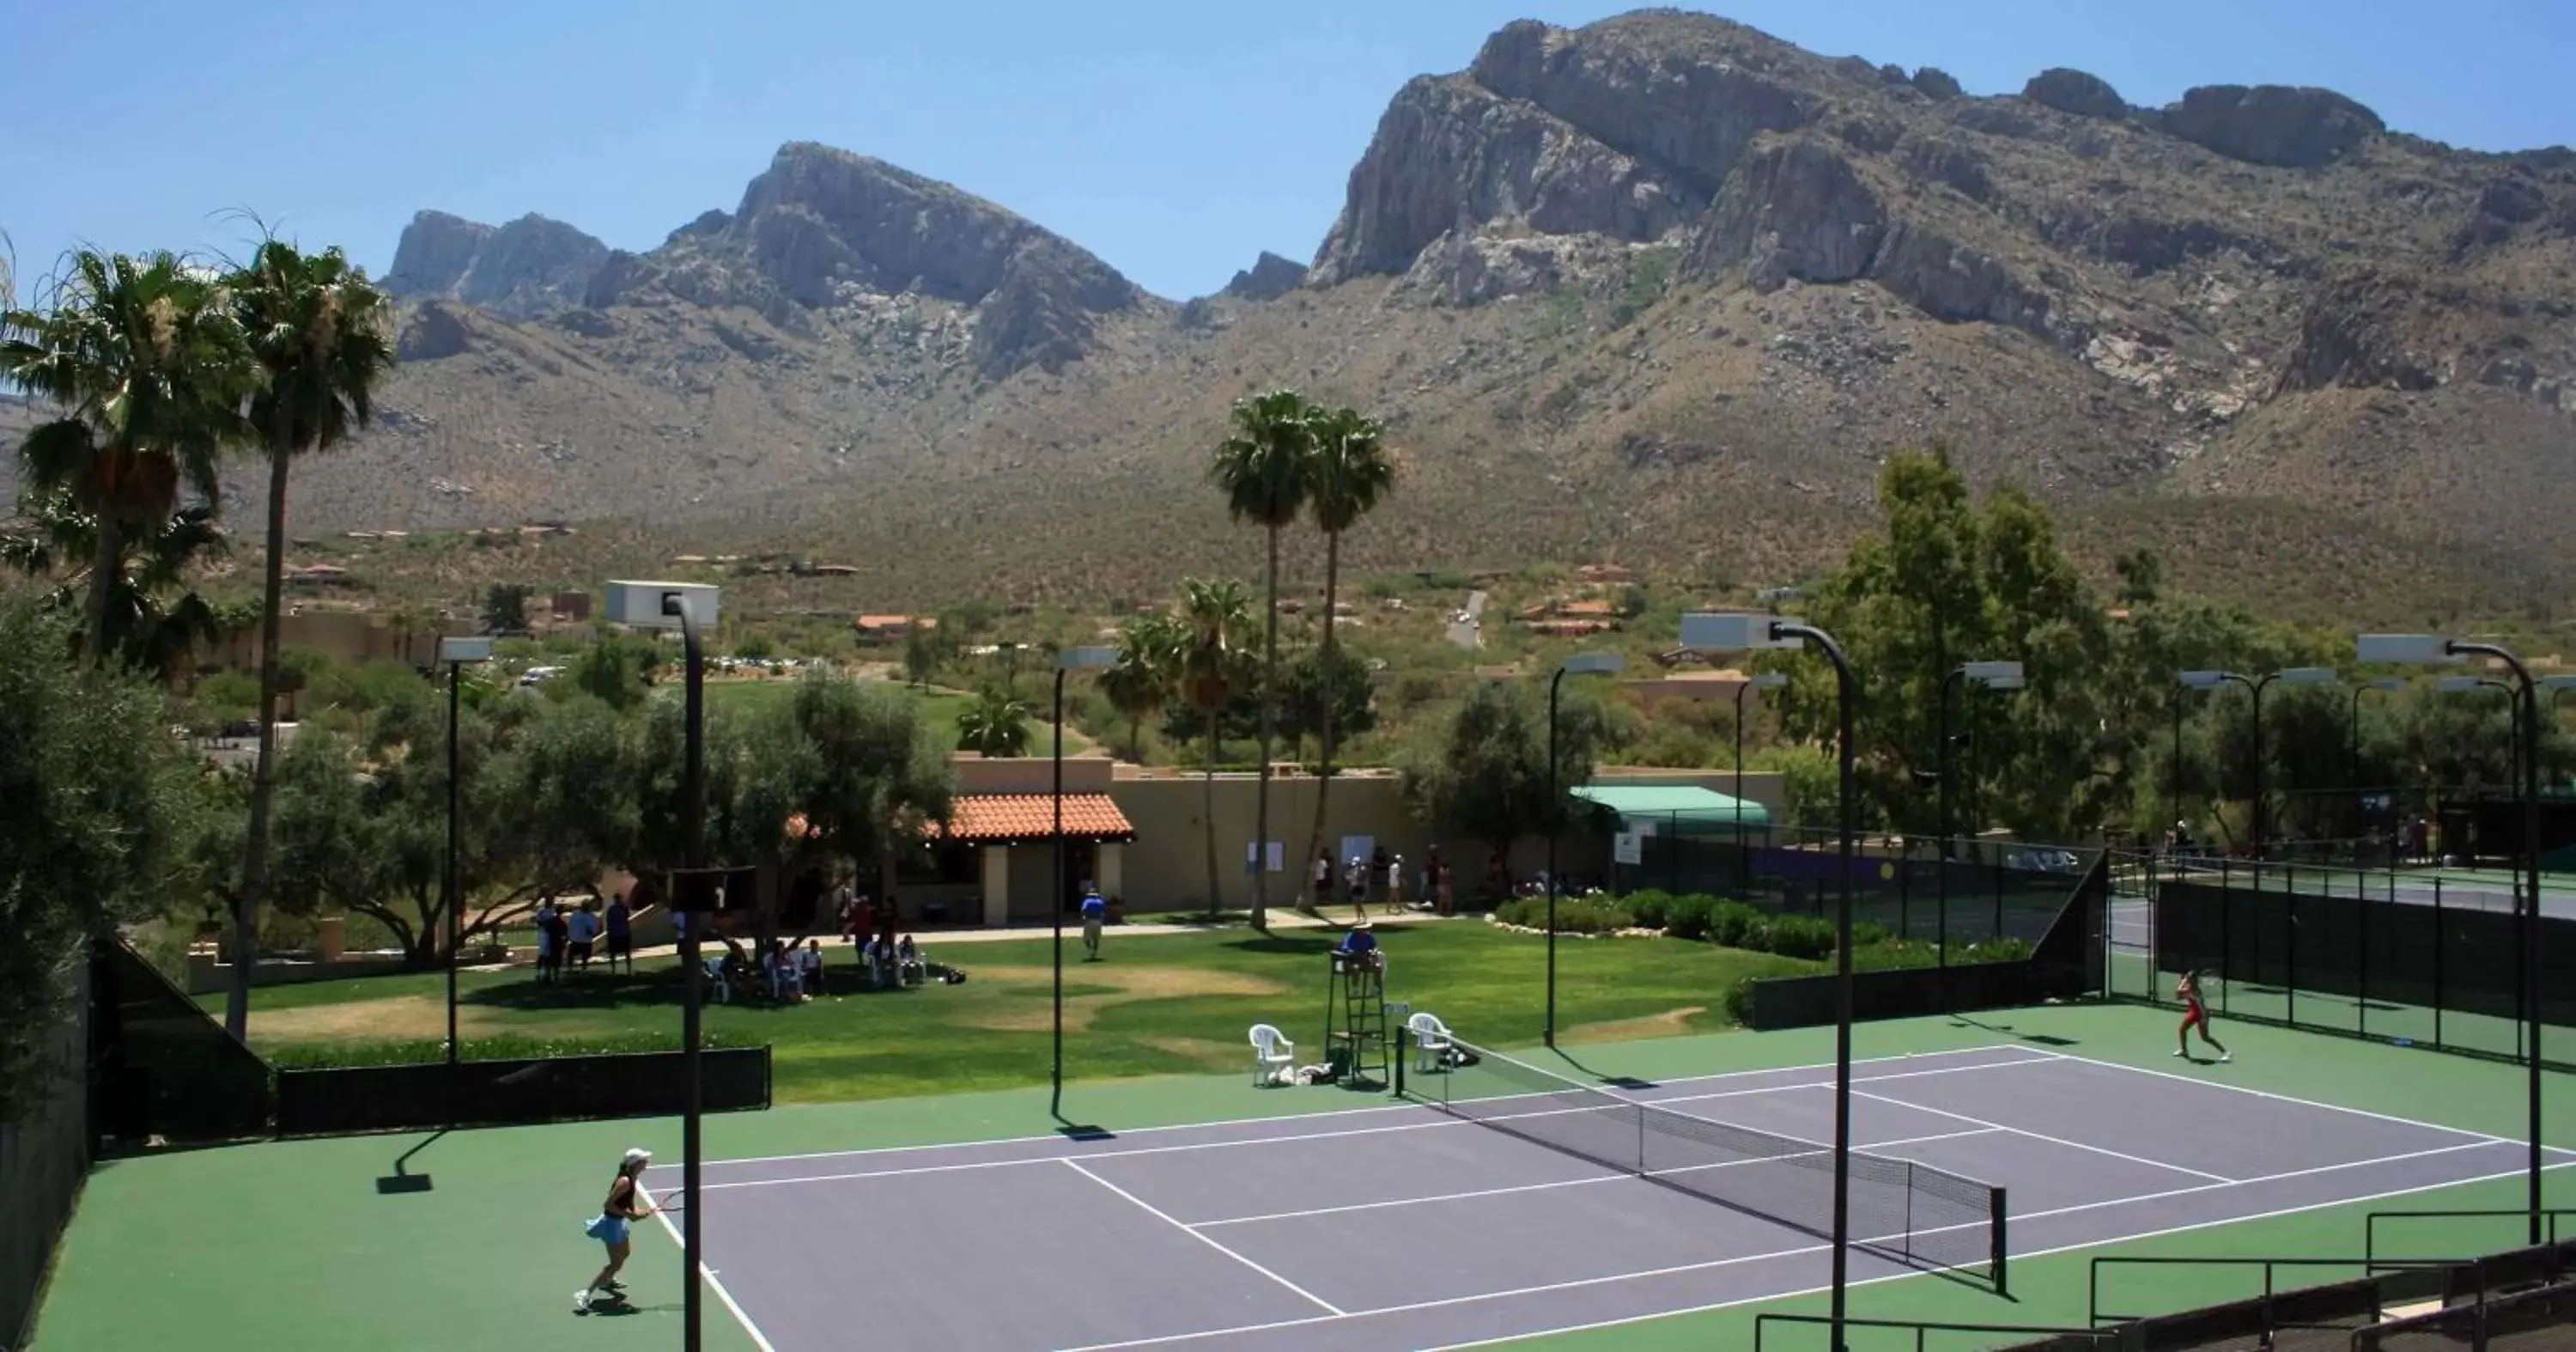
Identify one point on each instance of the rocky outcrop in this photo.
(434, 254)
(2276, 125)
(2355, 333)
(526, 269)
(2509, 201)
(432, 331)
(2075, 92)
(1939, 84)
(1269, 278)
(1796, 210)
(1449, 154)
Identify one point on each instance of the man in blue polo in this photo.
(1094, 911)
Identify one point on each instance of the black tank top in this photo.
(621, 1197)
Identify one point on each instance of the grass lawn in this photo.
(939, 707)
(1158, 1004)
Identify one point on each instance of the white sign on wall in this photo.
(1628, 847)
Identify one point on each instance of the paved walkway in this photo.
(1281, 918)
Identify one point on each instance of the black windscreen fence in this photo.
(166, 1068)
(2456, 959)
(1972, 891)
(336, 1101)
(44, 1154)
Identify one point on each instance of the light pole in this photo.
(1066, 662)
(689, 607)
(1580, 664)
(2419, 648)
(1993, 676)
(1738, 632)
(455, 652)
(2286, 676)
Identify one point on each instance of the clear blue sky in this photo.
(1174, 139)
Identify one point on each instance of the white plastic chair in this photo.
(1430, 1039)
(1274, 1057)
(715, 966)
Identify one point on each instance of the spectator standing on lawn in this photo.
(621, 933)
(1094, 911)
(549, 951)
(582, 929)
(809, 967)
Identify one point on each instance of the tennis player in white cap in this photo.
(625, 1204)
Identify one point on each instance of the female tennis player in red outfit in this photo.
(2187, 990)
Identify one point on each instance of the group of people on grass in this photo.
(568, 936)
(1383, 876)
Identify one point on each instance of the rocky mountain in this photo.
(527, 269)
(1661, 287)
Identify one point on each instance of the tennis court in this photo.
(1506, 1202)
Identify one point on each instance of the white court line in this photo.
(1411, 1110)
(714, 1283)
(1157, 1213)
(2052, 1140)
(2035, 1055)
(1572, 1182)
(2277, 1098)
(2035, 1253)
(1822, 1248)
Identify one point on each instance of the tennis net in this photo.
(1914, 1211)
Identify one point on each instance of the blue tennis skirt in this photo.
(606, 1229)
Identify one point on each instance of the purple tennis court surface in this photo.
(1397, 1227)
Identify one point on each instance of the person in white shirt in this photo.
(809, 966)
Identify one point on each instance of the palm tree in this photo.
(147, 363)
(1213, 616)
(1262, 468)
(1350, 473)
(144, 629)
(996, 724)
(319, 331)
(1139, 684)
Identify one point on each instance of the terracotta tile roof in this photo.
(998, 818)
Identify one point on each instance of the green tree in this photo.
(1213, 668)
(920, 655)
(1264, 467)
(1350, 472)
(101, 811)
(870, 772)
(616, 669)
(319, 332)
(147, 364)
(1321, 689)
(996, 724)
(155, 621)
(1141, 682)
(1484, 773)
(505, 608)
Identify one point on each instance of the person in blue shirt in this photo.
(1359, 946)
(1094, 911)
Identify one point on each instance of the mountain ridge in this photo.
(1660, 286)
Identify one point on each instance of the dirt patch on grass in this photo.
(1206, 1051)
(1670, 1023)
(392, 1018)
(1131, 983)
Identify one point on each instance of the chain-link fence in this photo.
(2415, 958)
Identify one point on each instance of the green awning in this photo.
(1676, 809)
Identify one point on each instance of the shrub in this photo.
(1868, 932)
(1793, 936)
(1739, 1002)
(1733, 924)
(1890, 955)
(1994, 950)
(1574, 915)
(510, 1047)
(1688, 917)
(1648, 906)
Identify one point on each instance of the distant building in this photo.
(893, 626)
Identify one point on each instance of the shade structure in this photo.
(1677, 809)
